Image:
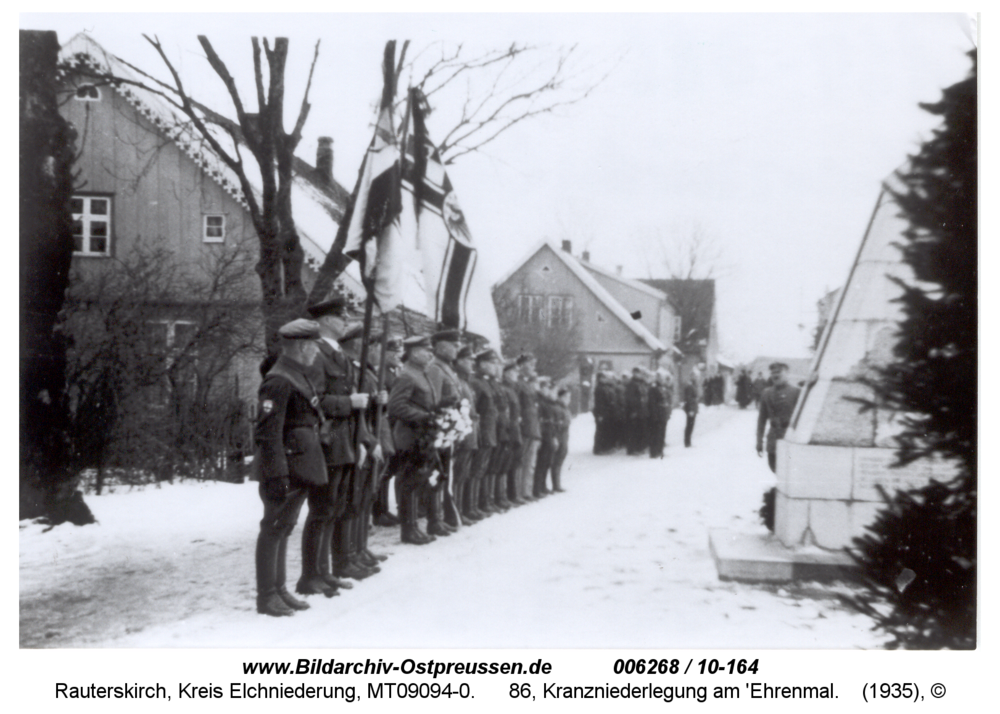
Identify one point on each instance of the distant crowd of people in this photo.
(632, 412)
(463, 435)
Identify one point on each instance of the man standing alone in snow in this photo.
(776, 405)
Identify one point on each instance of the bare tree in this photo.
(691, 259)
(262, 133)
(151, 375)
(476, 95)
(480, 94)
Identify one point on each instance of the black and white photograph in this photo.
(499, 332)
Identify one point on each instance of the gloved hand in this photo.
(276, 489)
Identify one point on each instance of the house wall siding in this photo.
(159, 195)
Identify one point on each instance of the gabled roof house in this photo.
(549, 284)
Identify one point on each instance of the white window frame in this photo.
(88, 222)
(205, 228)
(77, 97)
(162, 398)
(560, 310)
(531, 309)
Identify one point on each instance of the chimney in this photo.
(586, 256)
(567, 247)
(324, 160)
(618, 270)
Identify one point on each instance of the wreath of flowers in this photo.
(450, 424)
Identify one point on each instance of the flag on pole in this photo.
(457, 291)
(373, 236)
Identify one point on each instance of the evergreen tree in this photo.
(921, 551)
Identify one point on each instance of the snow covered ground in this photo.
(620, 560)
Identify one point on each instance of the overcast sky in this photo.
(768, 133)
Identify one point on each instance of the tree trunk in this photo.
(48, 485)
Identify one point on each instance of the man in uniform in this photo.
(481, 477)
(292, 467)
(351, 557)
(563, 418)
(603, 414)
(412, 405)
(381, 513)
(465, 449)
(441, 372)
(660, 403)
(637, 412)
(531, 433)
(342, 405)
(691, 399)
(509, 466)
(547, 444)
(776, 406)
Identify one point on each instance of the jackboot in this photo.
(477, 497)
(344, 565)
(325, 567)
(473, 507)
(266, 557)
(410, 530)
(279, 578)
(311, 582)
(365, 556)
(435, 526)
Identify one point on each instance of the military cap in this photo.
(465, 352)
(446, 336)
(337, 305)
(509, 366)
(352, 332)
(411, 343)
(393, 344)
(525, 358)
(776, 366)
(300, 329)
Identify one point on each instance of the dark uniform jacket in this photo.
(287, 429)
(604, 398)
(636, 400)
(468, 394)
(529, 412)
(659, 403)
(776, 406)
(339, 383)
(691, 397)
(486, 408)
(561, 417)
(546, 418)
(411, 406)
(514, 430)
(445, 381)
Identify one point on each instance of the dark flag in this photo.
(457, 292)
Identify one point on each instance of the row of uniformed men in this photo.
(323, 441)
(632, 412)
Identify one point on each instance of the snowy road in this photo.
(619, 560)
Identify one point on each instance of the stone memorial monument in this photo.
(836, 455)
